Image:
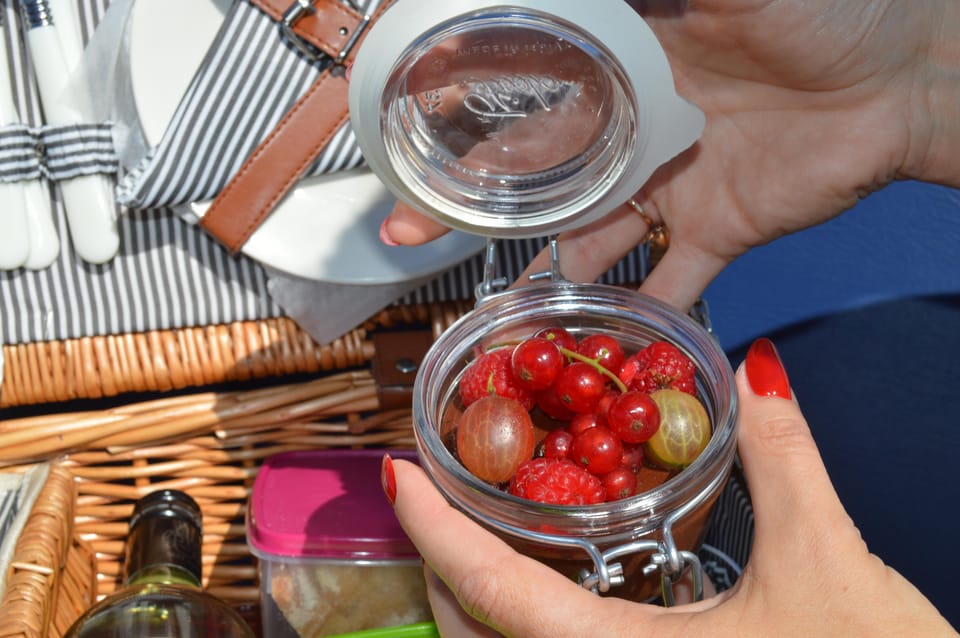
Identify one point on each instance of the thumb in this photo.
(795, 505)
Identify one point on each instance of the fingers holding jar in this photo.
(488, 581)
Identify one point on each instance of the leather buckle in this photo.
(300, 7)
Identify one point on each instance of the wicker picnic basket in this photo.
(207, 442)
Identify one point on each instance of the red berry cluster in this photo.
(598, 394)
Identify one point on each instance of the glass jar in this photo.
(632, 548)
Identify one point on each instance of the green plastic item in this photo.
(419, 630)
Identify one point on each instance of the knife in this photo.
(87, 199)
(29, 237)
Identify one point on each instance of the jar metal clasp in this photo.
(666, 558)
(492, 284)
(608, 571)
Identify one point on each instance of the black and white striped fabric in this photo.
(224, 115)
(56, 152)
(168, 274)
(10, 504)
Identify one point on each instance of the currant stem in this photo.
(596, 364)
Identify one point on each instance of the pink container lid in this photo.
(326, 504)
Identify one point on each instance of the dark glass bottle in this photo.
(162, 597)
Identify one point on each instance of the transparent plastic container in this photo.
(632, 548)
(332, 556)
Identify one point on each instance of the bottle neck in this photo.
(164, 547)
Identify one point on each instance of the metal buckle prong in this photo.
(354, 38)
(296, 10)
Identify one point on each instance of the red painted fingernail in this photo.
(387, 479)
(385, 234)
(765, 370)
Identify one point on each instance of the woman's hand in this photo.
(809, 573)
(810, 105)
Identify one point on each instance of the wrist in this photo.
(934, 153)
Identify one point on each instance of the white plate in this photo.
(168, 39)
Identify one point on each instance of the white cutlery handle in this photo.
(88, 199)
(91, 216)
(43, 238)
(16, 238)
(14, 244)
(67, 24)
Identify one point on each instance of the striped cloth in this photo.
(56, 152)
(167, 275)
(170, 274)
(223, 116)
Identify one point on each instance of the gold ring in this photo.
(655, 231)
(638, 209)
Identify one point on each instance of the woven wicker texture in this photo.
(209, 444)
(96, 367)
(52, 574)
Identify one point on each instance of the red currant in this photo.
(620, 482)
(597, 449)
(559, 336)
(580, 387)
(556, 445)
(550, 404)
(603, 349)
(603, 406)
(536, 363)
(632, 457)
(634, 416)
(582, 422)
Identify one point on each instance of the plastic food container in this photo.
(333, 557)
(634, 547)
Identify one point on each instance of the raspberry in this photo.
(556, 481)
(491, 373)
(660, 365)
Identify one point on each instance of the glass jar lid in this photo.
(518, 119)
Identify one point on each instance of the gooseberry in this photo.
(684, 429)
(494, 436)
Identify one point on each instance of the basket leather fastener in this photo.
(326, 27)
(397, 358)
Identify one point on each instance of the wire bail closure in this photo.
(667, 558)
(492, 284)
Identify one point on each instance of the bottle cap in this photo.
(518, 119)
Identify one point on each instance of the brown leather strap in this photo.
(397, 357)
(281, 159)
(328, 26)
